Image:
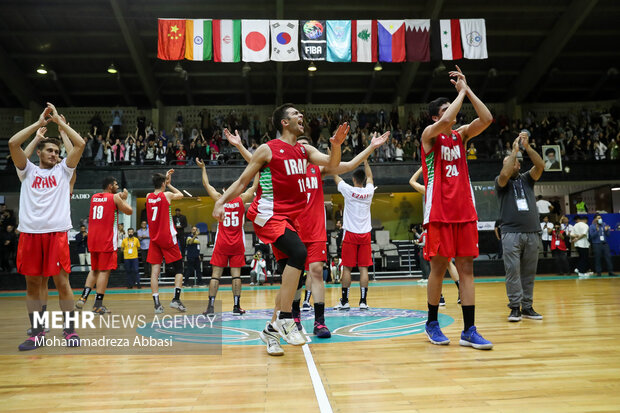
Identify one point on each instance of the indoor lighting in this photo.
(616, 188)
(112, 70)
(42, 70)
(311, 67)
(378, 67)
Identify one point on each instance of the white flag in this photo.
(255, 40)
(364, 41)
(474, 38)
(284, 40)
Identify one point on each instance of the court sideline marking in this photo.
(317, 383)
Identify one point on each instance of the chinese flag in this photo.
(171, 44)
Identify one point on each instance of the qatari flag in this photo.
(417, 40)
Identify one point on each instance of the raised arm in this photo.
(484, 119)
(444, 124)
(414, 181)
(120, 200)
(235, 140)
(509, 164)
(40, 135)
(260, 158)
(17, 140)
(368, 172)
(338, 179)
(333, 159)
(539, 164)
(248, 195)
(344, 167)
(173, 194)
(211, 191)
(73, 157)
(63, 135)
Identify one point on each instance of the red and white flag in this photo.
(255, 40)
(363, 40)
(450, 35)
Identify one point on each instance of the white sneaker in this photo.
(306, 306)
(289, 332)
(363, 306)
(423, 280)
(178, 305)
(272, 340)
(341, 306)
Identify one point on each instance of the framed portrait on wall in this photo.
(553, 158)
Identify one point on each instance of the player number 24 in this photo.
(451, 171)
(231, 219)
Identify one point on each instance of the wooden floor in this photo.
(569, 362)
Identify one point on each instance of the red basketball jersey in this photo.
(229, 238)
(449, 196)
(312, 222)
(102, 223)
(282, 189)
(161, 228)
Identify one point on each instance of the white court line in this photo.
(319, 390)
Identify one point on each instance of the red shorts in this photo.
(272, 230)
(451, 240)
(317, 252)
(224, 260)
(157, 253)
(103, 261)
(43, 254)
(356, 251)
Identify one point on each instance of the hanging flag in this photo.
(198, 42)
(391, 35)
(474, 37)
(338, 40)
(255, 40)
(364, 44)
(446, 40)
(171, 39)
(226, 40)
(313, 43)
(284, 39)
(417, 36)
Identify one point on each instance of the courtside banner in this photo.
(131, 328)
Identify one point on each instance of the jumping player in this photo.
(44, 219)
(164, 245)
(280, 199)
(229, 249)
(449, 213)
(103, 239)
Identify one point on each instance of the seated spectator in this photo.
(181, 155)
(471, 152)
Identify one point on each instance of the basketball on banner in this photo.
(313, 29)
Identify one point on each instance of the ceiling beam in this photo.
(551, 47)
(138, 54)
(16, 82)
(410, 69)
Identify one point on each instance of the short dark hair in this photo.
(130, 229)
(278, 114)
(108, 180)
(53, 141)
(550, 150)
(306, 138)
(359, 176)
(433, 106)
(158, 180)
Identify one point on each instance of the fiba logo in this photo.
(474, 39)
(226, 39)
(198, 40)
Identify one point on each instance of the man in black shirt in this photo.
(180, 223)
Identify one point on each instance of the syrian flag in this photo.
(338, 40)
(284, 40)
(391, 40)
(255, 40)
(474, 36)
(171, 39)
(226, 40)
(417, 36)
(198, 42)
(446, 40)
(364, 41)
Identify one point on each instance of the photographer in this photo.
(559, 250)
(257, 272)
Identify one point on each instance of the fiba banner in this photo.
(198, 42)
(284, 40)
(339, 40)
(364, 41)
(171, 39)
(474, 37)
(313, 39)
(226, 40)
(391, 40)
(255, 40)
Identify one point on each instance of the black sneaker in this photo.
(237, 310)
(210, 310)
(442, 301)
(515, 314)
(531, 314)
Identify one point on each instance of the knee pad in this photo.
(174, 268)
(297, 259)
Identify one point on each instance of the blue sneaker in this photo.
(434, 334)
(471, 338)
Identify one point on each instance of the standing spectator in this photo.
(519, 216)
(121, 233)
(257, 271)
(558, 249)
(145, 239)
(398, 152)
(579, 236)
(181, 155)
(130, 247)
(543, 206)
(547, 229)
(180, 223)
(8, 246)
(472, 152)
(568, 229)
(81, 240)
(192, 255)
(498, 235)
(599, 236)
(141, 124)
(117, 122)
(599, 150)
